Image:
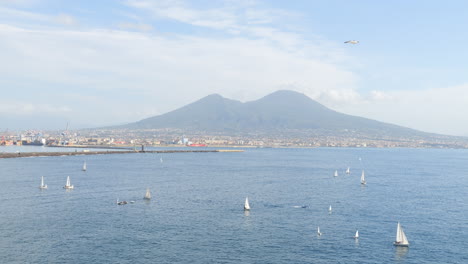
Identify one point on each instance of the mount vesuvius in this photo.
(280, 111)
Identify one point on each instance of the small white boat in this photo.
(318, 231)
(336, 174)
(43, 186)
(401, 240)
(363, 178)
(147, 194)
(161, 159)
(246, 205)
(348, 171)
(330, 209)
(68, 184)
(84, 166)
(356, 236)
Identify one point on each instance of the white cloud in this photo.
(161, 72)
(218, 18)
(380, 96)
(234, 17)
(439, 110)
(15, 14)
(106, 76)
(65, 19)
(24, 108)
(23, 3)
(135, 26)
(10, 16)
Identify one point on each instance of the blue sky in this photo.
(94, 63)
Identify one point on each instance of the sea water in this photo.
(196, 214)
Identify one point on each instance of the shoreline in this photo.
(76, 153)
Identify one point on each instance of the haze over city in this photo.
(96, 63)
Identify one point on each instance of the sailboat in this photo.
(84, 166)
(121, 202)
(246, 205)
(147, 194)
(318, 231)
(68, 185)
(43, 186)
(348, 171)
(401, 239)
(356, 236)
(330, 209)
(336, 173)
(161, 160)
(363, 178)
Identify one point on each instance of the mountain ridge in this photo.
(280, 110)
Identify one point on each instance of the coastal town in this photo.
(177, 138)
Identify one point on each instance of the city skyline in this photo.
(114, 62)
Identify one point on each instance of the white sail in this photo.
(363, 178)
(43, 186)
(357, 234)
(161, 159)
(336, 173)
(348, 171)
(401, 239)
(68, 184)
(318, 231)
(246, 205)
(330, 209)
(84, 166)
(147, 194)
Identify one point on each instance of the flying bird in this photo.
(352, 41)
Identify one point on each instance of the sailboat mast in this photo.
(398, 233)
(247, 205)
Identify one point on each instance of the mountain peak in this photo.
(280, 110)
(287, 93)
(214, 96)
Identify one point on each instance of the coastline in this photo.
(76, 153)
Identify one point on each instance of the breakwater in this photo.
(76, 153)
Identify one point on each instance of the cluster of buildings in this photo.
(176, 137)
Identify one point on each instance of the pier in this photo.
(76, 153)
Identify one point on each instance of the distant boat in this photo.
(336, 173)
(84, 166)
(161, 160)
(330, 209)
(246, 205)
(147, 194)
(68, 185)
(348, 171)
(121, 202)
(363, 178)
(401, 239)
(43, 186)
(318, 231)
(356, 236)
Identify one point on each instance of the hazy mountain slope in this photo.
(277, 111)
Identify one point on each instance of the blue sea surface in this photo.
(196, 214)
